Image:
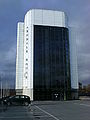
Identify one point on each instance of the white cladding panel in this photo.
(37, 17)
(46, 17)
(73, 59)
(19, 58)
(28, 56)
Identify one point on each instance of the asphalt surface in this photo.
(49, 110)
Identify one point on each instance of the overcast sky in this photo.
(12, 11)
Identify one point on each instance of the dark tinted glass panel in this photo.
(51, 63)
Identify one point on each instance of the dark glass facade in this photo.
(51, 63)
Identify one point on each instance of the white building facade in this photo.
(25, 48)
(19, 57)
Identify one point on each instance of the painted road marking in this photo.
(48, 113)
(83, 104)
(13, 117)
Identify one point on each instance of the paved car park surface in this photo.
(49, 110)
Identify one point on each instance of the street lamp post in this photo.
(1, 85)
(1, 88)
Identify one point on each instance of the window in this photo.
(26, 96)
(26, 63)
(21, 96)
(50, 61)
(26, 47)
(26, 67)
(17, 97)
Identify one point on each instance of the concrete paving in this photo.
(49, 110)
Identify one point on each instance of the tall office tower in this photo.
(49, 61)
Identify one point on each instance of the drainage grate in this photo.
(37, 117)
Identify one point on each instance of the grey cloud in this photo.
(12, 11)
(7, 67)
(7, 60)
